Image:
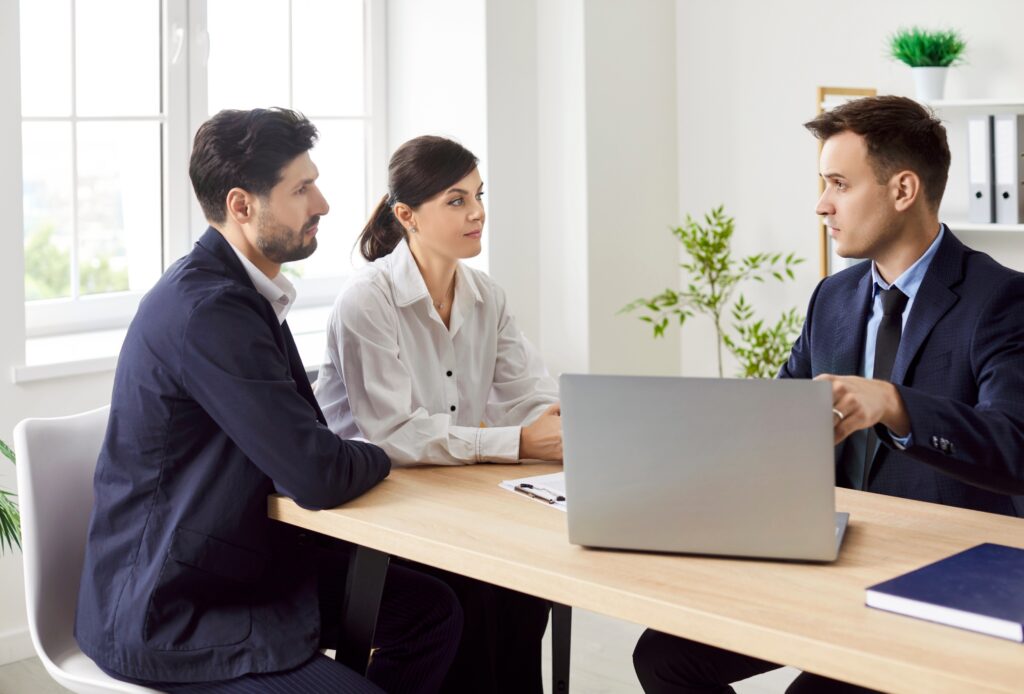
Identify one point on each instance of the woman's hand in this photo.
(542, 440)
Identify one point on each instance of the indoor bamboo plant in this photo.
(929, 54)
(10, 520)
(714, 275)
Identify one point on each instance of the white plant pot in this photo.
(929, 82)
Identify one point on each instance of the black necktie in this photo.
(887, 344)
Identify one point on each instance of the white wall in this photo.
(630, 51)
(513, 209)
(437, 78)
(747, 75)
(562, 186)
(607, 179)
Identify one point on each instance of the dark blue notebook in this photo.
(981, 589)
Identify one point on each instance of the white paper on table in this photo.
(552, 485)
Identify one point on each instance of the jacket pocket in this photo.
(202, 595)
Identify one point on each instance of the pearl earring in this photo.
(413, 229)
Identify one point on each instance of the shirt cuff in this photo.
(497, 444)
(902, 442)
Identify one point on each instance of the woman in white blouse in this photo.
(425, 360)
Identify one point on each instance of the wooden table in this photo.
(811, 616)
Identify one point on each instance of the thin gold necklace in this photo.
(439, 305)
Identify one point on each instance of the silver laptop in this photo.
(701, 465)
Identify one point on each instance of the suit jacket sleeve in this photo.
(988, 438)
(799, 363)
(234, 366)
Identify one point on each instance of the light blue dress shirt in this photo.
(908, 283)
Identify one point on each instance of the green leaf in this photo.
(10, 522)
(6, 451)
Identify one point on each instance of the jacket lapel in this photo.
(934, 299)
(850, 330)
(214, 242)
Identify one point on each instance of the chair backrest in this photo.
(56, 462)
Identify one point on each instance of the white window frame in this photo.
(184, 48)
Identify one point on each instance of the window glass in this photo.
(46, 57)
(119, 214)
(117, 71)
(47, 183)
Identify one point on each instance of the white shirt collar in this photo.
(280, 292)
(410, 287)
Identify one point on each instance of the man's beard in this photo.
(281, 244)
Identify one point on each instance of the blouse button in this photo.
(453, 408)
(449, 374)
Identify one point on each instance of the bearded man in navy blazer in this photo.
(923, 345)
(187, 585)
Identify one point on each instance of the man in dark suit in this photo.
(187, 585)
(923, 346)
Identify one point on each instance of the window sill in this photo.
(46, 358)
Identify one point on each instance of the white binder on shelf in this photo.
(1008, 148)
(980, 208)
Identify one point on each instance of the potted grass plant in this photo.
(10, 519)
(929, 55)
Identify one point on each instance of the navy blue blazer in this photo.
(185, 578)
(959, 370)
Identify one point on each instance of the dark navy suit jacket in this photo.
(959, 370)
(185, 578)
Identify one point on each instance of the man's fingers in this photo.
(555, 409)
(841, 432)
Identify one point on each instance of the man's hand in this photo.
(542, 440)
(860, 403)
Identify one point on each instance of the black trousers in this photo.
(500, 650)
(671, 665)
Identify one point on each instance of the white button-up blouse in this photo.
(395, 375)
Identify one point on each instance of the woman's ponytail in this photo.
(382, 233)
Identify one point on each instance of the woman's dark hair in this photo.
(245, 149)
(900, 134)
(419, 170)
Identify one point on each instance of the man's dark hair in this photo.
(245, 149)
(900, 134)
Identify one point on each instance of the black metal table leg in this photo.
(364, 586)
(561, 640)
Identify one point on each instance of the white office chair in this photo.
(56, 460)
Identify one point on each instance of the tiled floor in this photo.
(601, 664)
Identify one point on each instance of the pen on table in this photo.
(528, 490)
(527, 485)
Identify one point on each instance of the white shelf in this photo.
(974, 226)
(976, 103)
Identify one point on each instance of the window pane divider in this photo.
(74, 153)
(84, 119)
